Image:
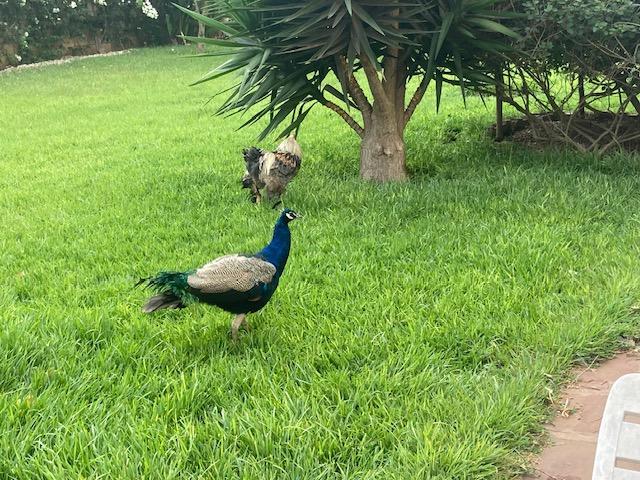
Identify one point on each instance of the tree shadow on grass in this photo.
(450, 151)
(444, 146)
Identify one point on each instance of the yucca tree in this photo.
(290, 53)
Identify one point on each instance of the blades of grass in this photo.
(220, 53)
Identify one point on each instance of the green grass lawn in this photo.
(419, 331)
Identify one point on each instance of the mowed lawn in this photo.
(419, 332)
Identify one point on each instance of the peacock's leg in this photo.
(235, 325)
(245, 324)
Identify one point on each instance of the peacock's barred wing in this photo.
(231, 272)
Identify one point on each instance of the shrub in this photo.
(33, 30)
(576, 75)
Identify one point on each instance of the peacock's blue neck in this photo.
(277, 251)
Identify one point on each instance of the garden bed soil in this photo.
(592, 126)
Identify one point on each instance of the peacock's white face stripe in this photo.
(291, 215)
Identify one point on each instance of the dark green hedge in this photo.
(34, 30)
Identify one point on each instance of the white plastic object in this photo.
(618, 450)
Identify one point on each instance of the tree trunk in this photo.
(499, 101)
(382, 153)
(201, 32)
(382, 157)
(581, 96)
(201, 28)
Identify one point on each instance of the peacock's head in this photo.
(288, 215)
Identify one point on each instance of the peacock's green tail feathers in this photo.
(172, 282)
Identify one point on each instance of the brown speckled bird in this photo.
(271, 171)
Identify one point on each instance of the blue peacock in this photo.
(239, 284)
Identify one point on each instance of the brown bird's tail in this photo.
(162, 301)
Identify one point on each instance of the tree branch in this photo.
(390, 69)
(400, 90)
(355, 90)
(375, 83)
(416, 99)
(394, 83)
(633, 98)
(499, 102)
(345, 116)
(393, 76)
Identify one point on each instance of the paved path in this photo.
(574, 431)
